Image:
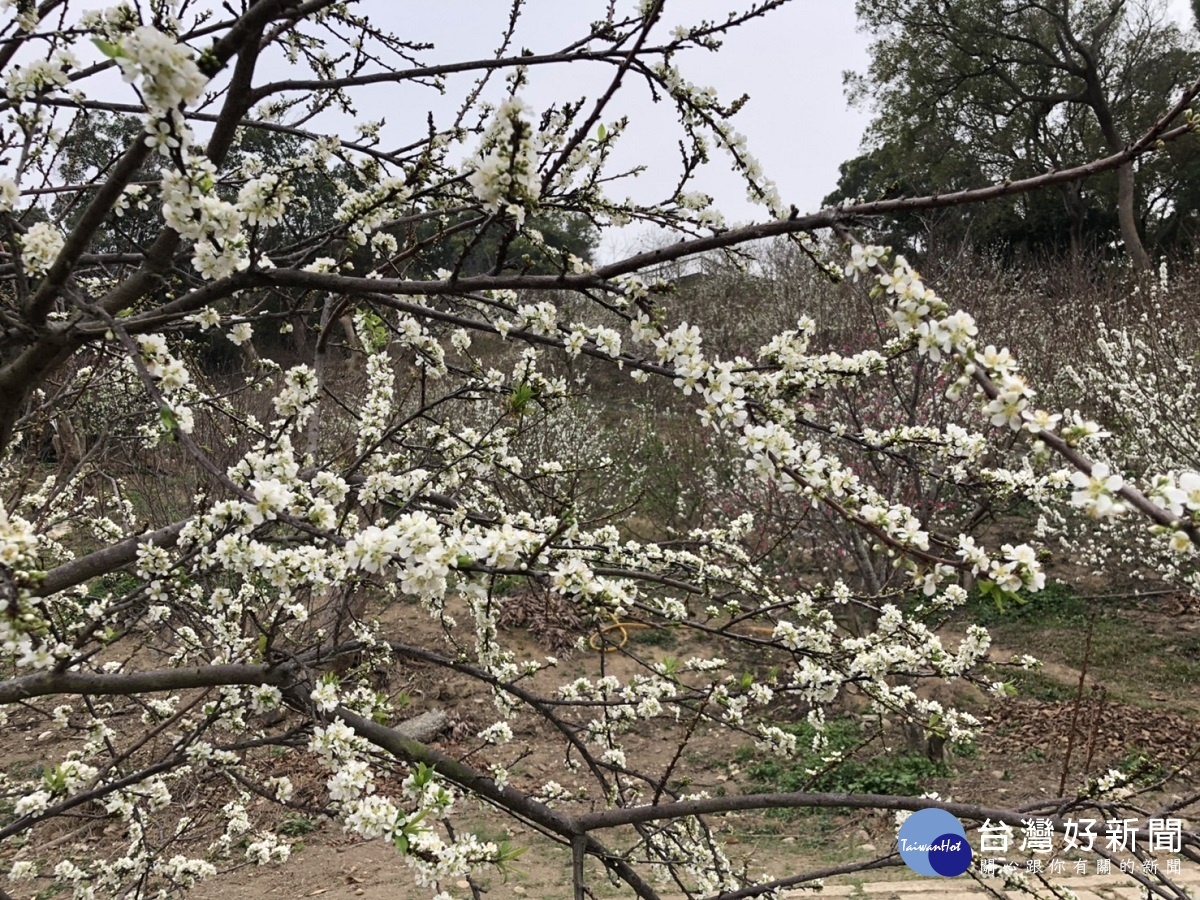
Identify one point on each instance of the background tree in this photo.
(967, 92)
(558, 236)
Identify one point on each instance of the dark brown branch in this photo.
(612, 818)
(826, 218)
(853, 868)
(507, 798)
(45, 684)
(308, 85)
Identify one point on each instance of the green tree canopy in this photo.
(973, 91)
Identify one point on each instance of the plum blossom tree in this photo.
(213, 567)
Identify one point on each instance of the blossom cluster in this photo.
(165, 70)
(40, 246)
(504, 172)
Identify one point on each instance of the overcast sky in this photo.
(790, 62)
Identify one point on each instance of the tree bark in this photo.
(1126, 193)
(1127, 218)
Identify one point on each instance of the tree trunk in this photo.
(1127, 217)
(313, 432)
(1126, 193)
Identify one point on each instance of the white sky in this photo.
(790, 62)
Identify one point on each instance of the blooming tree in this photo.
(195, 590)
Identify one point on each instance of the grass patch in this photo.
(654, 637)
(1127, 657)
(906, 774)
(964, 750)
(1056, 604)
(118, 583)
(1144, 660)
(297, 825)
(1039, 686)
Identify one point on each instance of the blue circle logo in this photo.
(933, 842)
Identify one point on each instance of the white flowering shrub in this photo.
(392, 445)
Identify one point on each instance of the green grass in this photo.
(1039, 686)
(1128, 649)
(905, 774)
(1057, 603)
(117, 583)
(1127, 657)
(654, 637)
(297, 825)
(964, 750)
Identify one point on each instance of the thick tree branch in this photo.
(108, 559)
(46, 684)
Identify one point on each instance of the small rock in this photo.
(868, 847)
